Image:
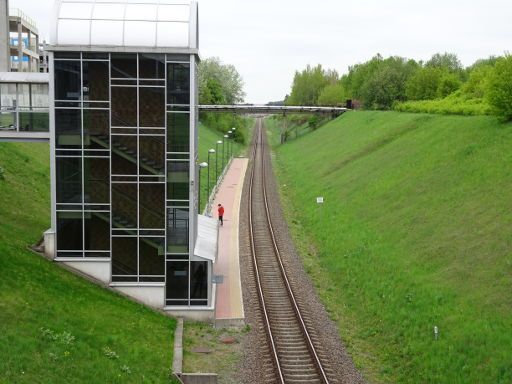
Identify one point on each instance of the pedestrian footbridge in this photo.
(24, 112)
(24, 107)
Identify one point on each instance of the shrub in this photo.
(499, 93)
(455, 104)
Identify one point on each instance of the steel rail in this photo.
(270, 336)
(302, 324)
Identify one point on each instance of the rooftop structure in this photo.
(114, 26)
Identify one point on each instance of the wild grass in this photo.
(54, 326)
(415, 233)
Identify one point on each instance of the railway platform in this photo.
(229, 308)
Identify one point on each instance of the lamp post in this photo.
(225, 139)
(210, 151)
(234, 142)
(216, 160)
(230, 144)
(201, 165)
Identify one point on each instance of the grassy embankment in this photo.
(415, 232)
(208, 138)
(56, 327)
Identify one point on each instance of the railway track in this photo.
(293, 353)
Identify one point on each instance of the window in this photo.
(67, 80)
(151, 66)
(178, 132)
(178, 180)
(124, 106)
(198, 280)
(96, 129)
(124, 66)
(69, 231)
(96, 80)
(152, 205)
(39, 95)
(177, 230)
(152, 107)
(151, 259)
(97, 232)
(124, 205)
(177, 281)
(124, 155)
(24, 95)
(152, 155)
(69, 180)
(178, 83)
(124, 259)
(68, 126)
(96, 180)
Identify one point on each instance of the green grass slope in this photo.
(415, 232)
(208, 138)
(56, 327)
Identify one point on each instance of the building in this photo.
(123, 137)
(19, 41)
(23, 42)
(4, 36)
(23, 94)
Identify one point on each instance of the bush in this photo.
(499, 93)
(455, 104)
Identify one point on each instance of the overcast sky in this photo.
(267, 40)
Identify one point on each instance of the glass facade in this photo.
(123, 155)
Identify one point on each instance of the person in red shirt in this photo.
(220, 211)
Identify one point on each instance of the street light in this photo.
(210, 151)
(216, 158)
(201, 165)
(230, 144)
(234, 142)
(226, 138)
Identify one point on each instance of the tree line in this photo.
(221, 84)
(440, 85)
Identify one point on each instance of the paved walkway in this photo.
(229, 307)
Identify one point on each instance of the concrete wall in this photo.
(99, 270)
(199, 378)
(151, 296)
(4, 36)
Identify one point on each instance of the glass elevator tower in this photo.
(123, 118)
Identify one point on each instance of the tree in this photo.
(219, 83)
(308, 84)
(499, 93)
(387, 83)
(477, 83)
(423, 85)
(448, 83)
(332, 95)
(358, 74)
(447, 61)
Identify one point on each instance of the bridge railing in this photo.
(24, 119)
(272, 109)
(24, 103)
